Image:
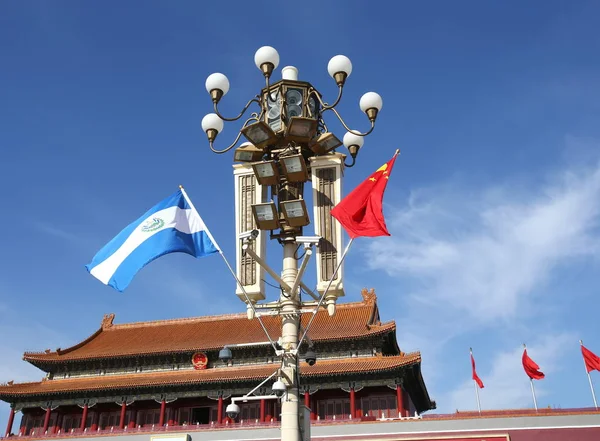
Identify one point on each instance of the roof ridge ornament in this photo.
(368, 296)
(107, 321)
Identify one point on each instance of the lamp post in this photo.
(285, 135)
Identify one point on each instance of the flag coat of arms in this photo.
(171, 226)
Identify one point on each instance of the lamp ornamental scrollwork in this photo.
(290, 113)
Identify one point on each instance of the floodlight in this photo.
(259, 134)
(301, 129)
(325, 143)
(294, 168)
(295, 213)
(247, 152)
(266, 216)
(266, 172)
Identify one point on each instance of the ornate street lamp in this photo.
(288, 144)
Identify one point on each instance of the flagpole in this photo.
(477, 395)
(533, 393)
(532, 387)
(187, 199)
(314, 313)
(590, 380)
(476, 386)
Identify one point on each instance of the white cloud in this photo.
(506, 384)
(477, 265)
(486, 253)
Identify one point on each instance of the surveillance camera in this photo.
(308, 240)
(232, 411)
(225, 354)
(249, 235)
(310, 357)
(279, 388)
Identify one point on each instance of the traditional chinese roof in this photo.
(351, 321)
(327, 367)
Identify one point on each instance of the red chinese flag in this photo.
(592, 361)
(361, 212)
(531, 367)
(475, 376)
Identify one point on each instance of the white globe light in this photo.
(352, 139)
(266, 54)
(339, 63)
(212, 121)
(370, 100)
(217, 81)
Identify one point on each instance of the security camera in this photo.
(310, 357)
(279, 388)
(225, 355)
(249, 235)
(232, 411)
(308, 240)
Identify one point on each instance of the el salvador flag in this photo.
(171, 226)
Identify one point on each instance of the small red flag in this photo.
(475, 376)
(592, 361)
(361, 212)
(531, 367)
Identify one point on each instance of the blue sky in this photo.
(493, 206)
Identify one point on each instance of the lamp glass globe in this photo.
(339, 63)
(217, 81)
(212, 121)
(352, 139)
(266, 54)
(370, 100)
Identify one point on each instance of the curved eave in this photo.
(324, 368)
(423, 402)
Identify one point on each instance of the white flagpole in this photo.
(477, 395)
(314, 313)
(187, 199)
(476, 385)
(532, 388)
(533, 393)
(590, 380)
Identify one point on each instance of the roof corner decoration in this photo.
(369, 296)
(107, 321)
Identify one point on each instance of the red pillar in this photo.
(268, 412)
(83, 417)
(352, 403)
(11, 419)
(400, 400)
(58, 423)
(163, 406)
(132, 419)
(46, 420)
(122, 420)
(262, 410)
(95, 419)
(220, 410)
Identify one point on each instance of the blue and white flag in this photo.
(171, 226)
